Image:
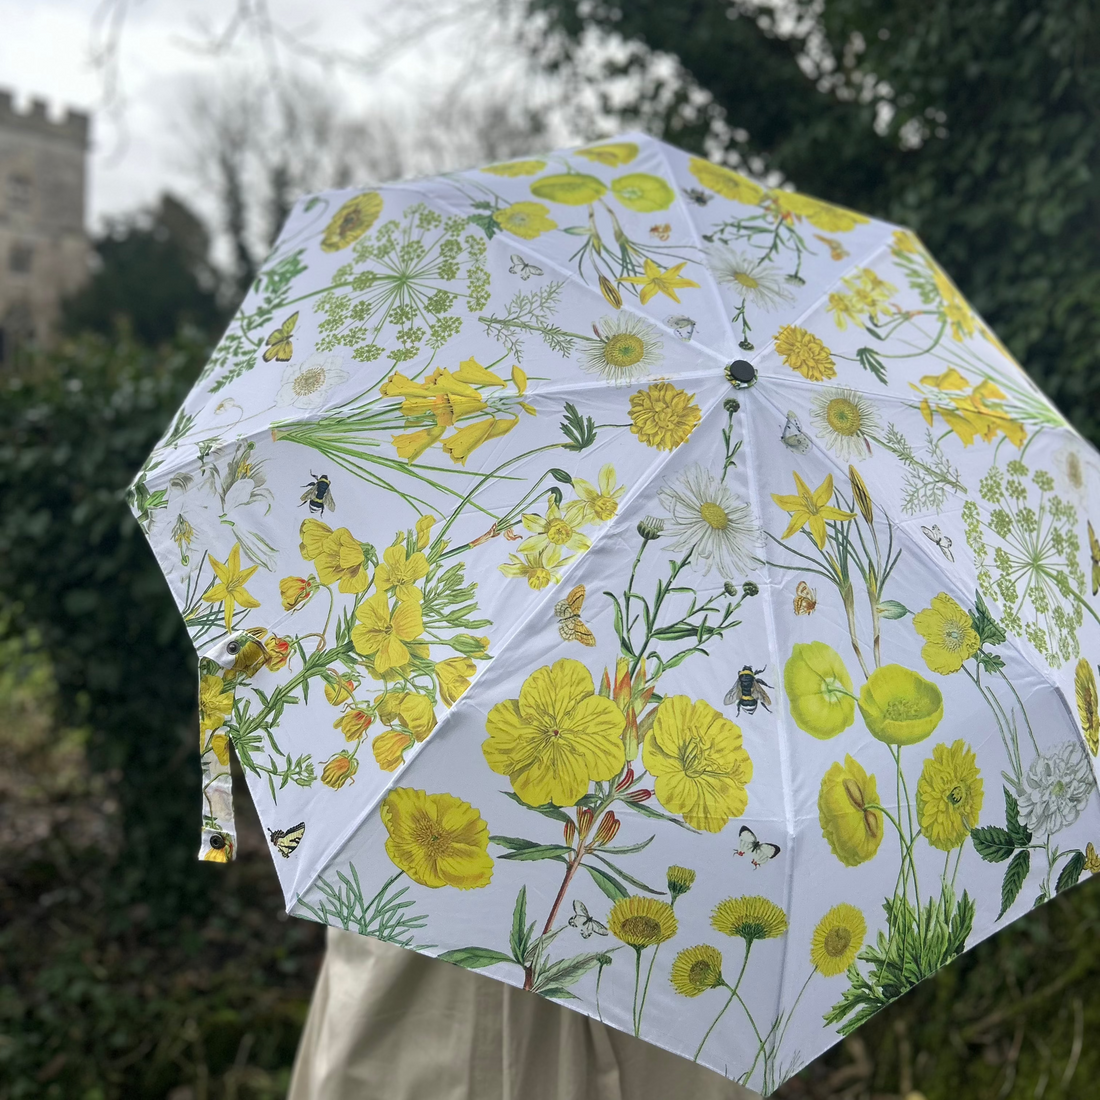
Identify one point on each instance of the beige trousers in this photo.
(388, 1024)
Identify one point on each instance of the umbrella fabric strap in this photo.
(219, 671)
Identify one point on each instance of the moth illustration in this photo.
(683, 326)
(587, 925)
(794, 437)
(941, 540)
(286, 840)
(279, 344)
(759, 851)
(570, 626)
(522, 268)
(805, 599)
(661, 232)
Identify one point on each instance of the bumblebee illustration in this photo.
(749, 690)
(318, 494)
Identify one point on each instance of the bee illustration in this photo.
(287, 840)
(568, 612)
(522, 268)
(585, 924)
(934, 534)
(279, 345)
(759, 851)
(749, 690)
(1094, 553)
(318, 494)
(661, 232)
(805, 599)
(697, 196)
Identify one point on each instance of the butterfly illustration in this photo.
(684, 327)
(697, 196)
(568, 612)
(279, 346)
(587, 925)
(522, 268)
(837, 251)
(1094, 553)
(286, 840)
(661, 232)
(805, 599)
(794, 437)
(759, 851)
(940, 539)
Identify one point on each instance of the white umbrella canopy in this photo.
(647, 588)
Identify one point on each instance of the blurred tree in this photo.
(154, 271)
(976, 124)
(79, 576)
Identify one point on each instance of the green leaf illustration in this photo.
(1020, 833)
(1014, 879)
(993, 843)
(1071, 872)
(474, 958)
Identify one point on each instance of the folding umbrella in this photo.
(649, 588)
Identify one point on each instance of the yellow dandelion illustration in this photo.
(837, 939)
(663, 416)
(697, 969)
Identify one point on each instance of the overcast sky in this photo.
(46, 51)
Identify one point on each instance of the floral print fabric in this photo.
(655, 590)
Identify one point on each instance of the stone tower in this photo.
(43, 247)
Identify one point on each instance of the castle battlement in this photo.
(73, 126)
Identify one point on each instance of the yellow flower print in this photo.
(599, 504)
(643, 192)
(295, 591)
(802, 351)
(663, 416)
(956, 309)
(398, 572)
(1084, 681)
(408, 709)
(219, 744)
(1092, 860)
(812, 508)
(823, 215)
(557, 737)
(339, 689)
(837, 939)
(466, 440)
(351, 221)
(899, 706)
(215, 702)
(557, 528)
(382, 634)
(338, 555)
(679, 880)
(515, 168)
(848, 813)
(725, 182)
(442, 394)
(229, 590)
(949, 796)
(571, 189)
(437, 839)
(970, 414)
(454, 676)
(339, 770)
(473, 373)
(751, 917)
(411, 445)
(424, 531)
(655, 281)
(642, 922)
(527, 220)
(540, 568)
(613, 154)
(389, 749)
(699, 765)
(949, 636)
(819, 690)
(697, 969)
(353, 724)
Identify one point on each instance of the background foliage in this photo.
(129, 970)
